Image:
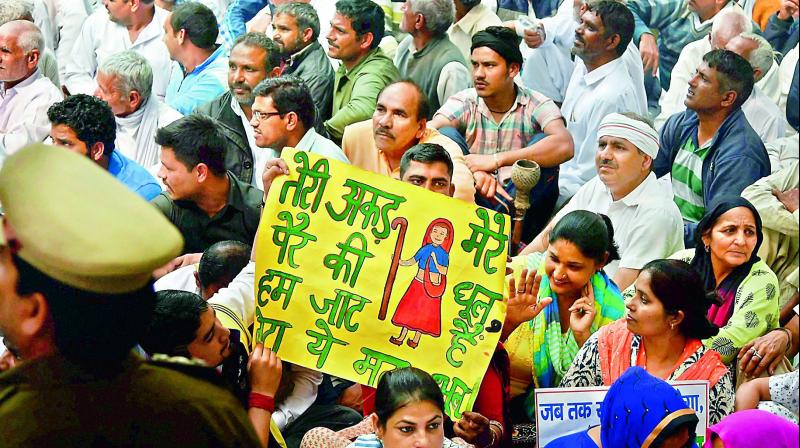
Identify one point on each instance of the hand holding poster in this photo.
(357, 274)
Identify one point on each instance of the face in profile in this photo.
(645, 313)
(212, 341)
(415, 425)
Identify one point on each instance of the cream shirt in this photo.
(23, 112)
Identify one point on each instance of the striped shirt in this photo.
(687, 179)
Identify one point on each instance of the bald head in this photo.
(727, 25)
(756, 50)
(20, 42)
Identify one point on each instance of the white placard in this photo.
(562, 411)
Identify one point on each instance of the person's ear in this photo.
(676, 319)
(181, 36)
(376, 425)
(308, 35)
(647, 163)
(276, 71)
(452, 189)
(33, 315)
(423, 125)
(728, 98)
(603, 263)
(135, 98)
(513, 69)
(32, 59)
(202, 172)
(292, 121)
(706, 239)
(197, 280)
(365, 41)
(613, 42)
(96, 151)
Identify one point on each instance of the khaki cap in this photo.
(79, 225)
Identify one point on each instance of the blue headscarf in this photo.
(641, 409)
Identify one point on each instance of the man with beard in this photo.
(125, 25)
(599, 86)
(647, 224)
(296, 28)
(254, 58)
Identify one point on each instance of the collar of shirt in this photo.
(153, 30)
(522, 99)
(636, 196)
(21, 86)
(308, 140)
(235, 196)
(343, 73)
(298, 57)
(598, 74)
(213, 57)
(470, 20)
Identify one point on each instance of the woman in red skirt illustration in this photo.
(420, 309)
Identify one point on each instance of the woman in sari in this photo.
(662, 332)
(626, 420)
(552, 313)
(746, 289)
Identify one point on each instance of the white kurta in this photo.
(590, 97)
(101, 38)
(477, 19)
(647, 223)
(23, 112)
(764, 117)
(60, 22)
(136, 133)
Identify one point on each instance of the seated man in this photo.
(80, 310)
(776, 199)
(427, 56)
(205, 202)
(218, 265)
(25, 10)
(356, 31)
(190, 33)
(297, 28)
(125, 82)
(471, 17)
(85, 125)
(498, 122)
(710, 149)
(378, 145)
(283, 116)
(254, 58)
(25, 92)
(647, 224)
(136, 25)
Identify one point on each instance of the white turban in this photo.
(639, 133)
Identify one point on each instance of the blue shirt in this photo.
(187, 91)
(134, 176)
(424, 254)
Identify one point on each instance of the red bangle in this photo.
(261, 401)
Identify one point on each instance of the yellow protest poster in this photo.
(358, 274)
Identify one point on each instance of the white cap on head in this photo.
(639, 133)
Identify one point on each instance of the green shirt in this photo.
(237, 221)
(687, 180)
(355, 92)
(53, 402)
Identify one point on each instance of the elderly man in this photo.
(712, 141)
(399, 122)
(647, 224)
(81, 314)
(254, 58)
(85, 125)
(204, 201)
(24, 10)
(726, 25)
(25, 94)
(296, 28)
(599, 86)
(283, 116)
(190, 33)
(471, 17)
(499, 122)
(215, 268)
(125, 25)
(356, 31)
(427, 56)
(125, 82)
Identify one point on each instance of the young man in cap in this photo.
(75, 314)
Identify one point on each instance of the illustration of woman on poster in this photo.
(420, 309)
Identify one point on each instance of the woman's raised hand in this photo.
(523, 301)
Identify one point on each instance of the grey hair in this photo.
(15, 10)
(439, 14)
(763, 55)
(733, 18)
(305, 15)
(30, 38)
(132, 70)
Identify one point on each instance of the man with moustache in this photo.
(296, 30)
(399, 122)
(498, 122)
(254, 58)
(207, 203)
(647, 224)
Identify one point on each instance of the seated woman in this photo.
(752, 428)
(626, 422)
(662, 332)
(746, 290)
(575, 296)
(779, 394)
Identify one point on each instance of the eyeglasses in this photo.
(262, 116)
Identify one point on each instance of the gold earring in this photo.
(708, 247)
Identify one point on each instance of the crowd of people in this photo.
(139, 140)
